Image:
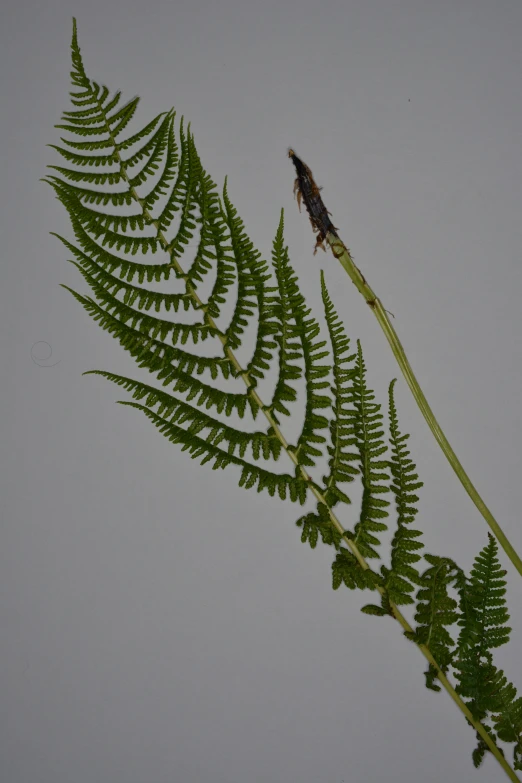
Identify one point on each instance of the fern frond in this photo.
(310, 440)
(317, 523)
(298, 341)
(346, 568)
(150, 326)
(121, 308)
(367, 419)
(214, 250)
(436, 610)
(97, 223)
(402, 576)
(342, 432)
(484, 616)
(263, 445)
(290, 350)
(508, 723)
(183, 198)
(483, 624)
(160, 360)
(251, 475)
(251, 274)
(267, 326)
(160, 176)
(146, 297)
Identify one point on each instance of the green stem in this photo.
(342, 253)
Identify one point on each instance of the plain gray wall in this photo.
(157, 623)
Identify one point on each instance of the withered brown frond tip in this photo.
(306, 190)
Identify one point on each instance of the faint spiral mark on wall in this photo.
(38, 359)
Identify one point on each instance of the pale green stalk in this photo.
(342, 253)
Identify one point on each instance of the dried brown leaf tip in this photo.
(306, 190)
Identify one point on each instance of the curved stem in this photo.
(343, 255)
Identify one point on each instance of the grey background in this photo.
(157, 623)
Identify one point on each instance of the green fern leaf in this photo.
(436, 610)
(262, 445)
(342, 434)
(346, 568)
(367, 419)
(401, 579)
(124, 309)
(251, 475)
(483, 624)
(319, 523)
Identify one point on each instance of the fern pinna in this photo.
(160, 177)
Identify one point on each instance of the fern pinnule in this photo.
(342, 435)
(367, 419)
(402, 577)
(261, 444)
(436, 611)
(298, 342)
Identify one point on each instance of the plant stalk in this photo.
(343, 255)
